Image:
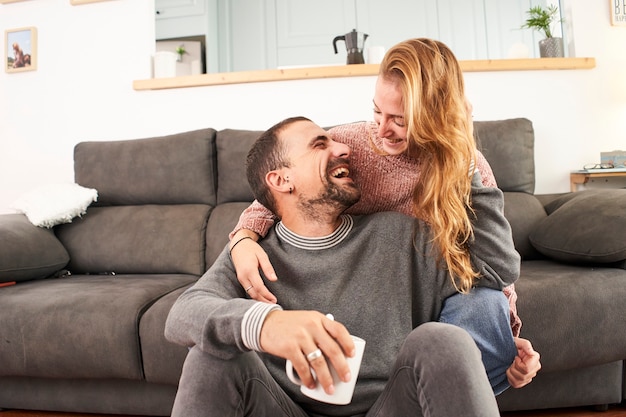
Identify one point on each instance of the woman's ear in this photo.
(278, 181)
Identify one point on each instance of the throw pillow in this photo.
(28, 252)
(54, 204)
(586, 226)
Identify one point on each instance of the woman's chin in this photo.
(394, 148)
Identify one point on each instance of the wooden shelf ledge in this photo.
(353, 71)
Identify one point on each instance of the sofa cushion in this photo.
(232, 151)
(573, 315)
(509, 146)
(524, 212)
(151, 239)
(222, 221)
(79, 326)
(174, 169)
(162, 359)
(28, 252)
(573, 232)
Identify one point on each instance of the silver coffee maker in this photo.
(354, 45)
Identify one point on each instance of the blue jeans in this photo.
(484, 313)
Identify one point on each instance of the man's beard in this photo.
(332, 201)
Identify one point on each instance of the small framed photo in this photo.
(20, 46)
(618, 12)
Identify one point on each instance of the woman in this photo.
(422, 129)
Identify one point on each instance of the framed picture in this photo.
(20, 46)
(618, 12)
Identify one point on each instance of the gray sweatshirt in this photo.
(377, 274)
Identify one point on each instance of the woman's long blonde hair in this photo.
(440, 138)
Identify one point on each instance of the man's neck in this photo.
(318, 225)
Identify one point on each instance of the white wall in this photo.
(90, 54)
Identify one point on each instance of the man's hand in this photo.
(525, 365)
(248, 256)
(295, 334)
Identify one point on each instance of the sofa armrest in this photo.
(28, 252)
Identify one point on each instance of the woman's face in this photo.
(389, 116)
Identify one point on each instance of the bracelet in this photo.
(230, 251)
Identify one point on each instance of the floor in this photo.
(614, 411)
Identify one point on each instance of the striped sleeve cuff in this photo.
(253, 322)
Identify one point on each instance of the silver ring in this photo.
(249, 288)
(314, 355)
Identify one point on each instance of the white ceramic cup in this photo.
(343, 390)
(164, 64)
(375, 54)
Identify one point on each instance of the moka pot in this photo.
(354, 46)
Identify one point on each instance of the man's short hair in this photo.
(267, 154)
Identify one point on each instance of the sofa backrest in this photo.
(509, 146)
(232, 149)
(155, 196)
(233, 192)
(173, 169)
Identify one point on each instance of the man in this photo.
(378, 275)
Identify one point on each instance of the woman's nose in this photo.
(383, 128)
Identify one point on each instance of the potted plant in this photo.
(181, 51)
(541, 19)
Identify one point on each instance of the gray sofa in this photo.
(82, 330)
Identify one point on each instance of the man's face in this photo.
(319, 169)
(389, 116)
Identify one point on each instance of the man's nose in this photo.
(341, 150)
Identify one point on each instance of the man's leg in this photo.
(484, 313)
(239, 387)
(438, 372)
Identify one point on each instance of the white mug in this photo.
(343, 390)
(375, 54)
(164, 64)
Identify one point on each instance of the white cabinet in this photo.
(305, 31)
(180, 18)
(169, 9)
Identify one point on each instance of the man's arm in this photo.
(216, 316)
(212, 314)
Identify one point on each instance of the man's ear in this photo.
(278, 181)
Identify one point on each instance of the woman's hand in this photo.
(525, 366)
(248, 257)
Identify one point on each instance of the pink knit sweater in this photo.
(386, 184)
